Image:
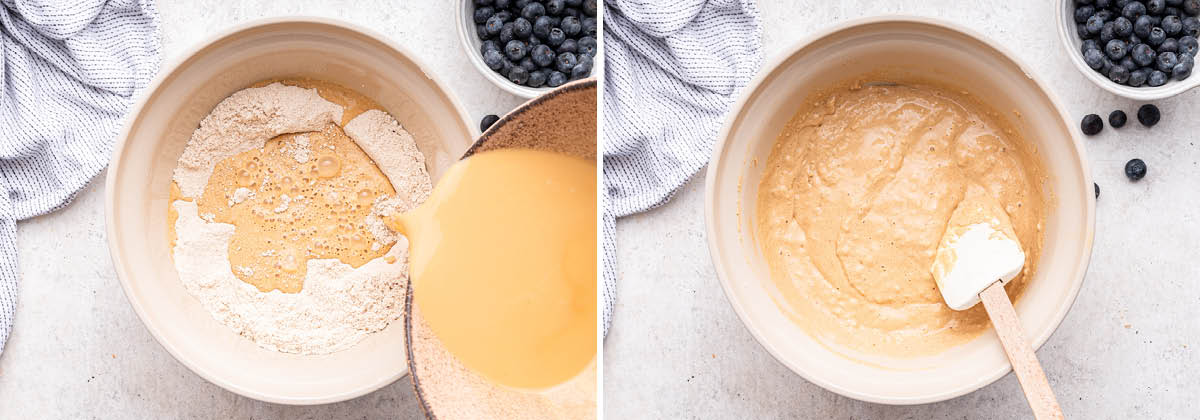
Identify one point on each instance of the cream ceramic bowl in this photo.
(139, 180)
(1068, 32)
(931, 49)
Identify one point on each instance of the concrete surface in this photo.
(79, 352)
(1128, 348)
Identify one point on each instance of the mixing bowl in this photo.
(932, 50)
(139, 180)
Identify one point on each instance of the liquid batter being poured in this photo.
(503, 262)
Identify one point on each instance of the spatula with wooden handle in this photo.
(978, 255)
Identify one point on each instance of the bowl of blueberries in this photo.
(528, 47)
(1139, 49)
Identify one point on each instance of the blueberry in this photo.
(1097, 189)
(1102, 4)
(506, 33)
(570, 45)
(494, 59)
(1128, 63)
(1156, 7)
(1191, 7)
(1135, 169)
(503, 4)
(1183, 69)
(1157, 36)
(537, 78)
(1116, 49)
(589, 7)
(589, 26)
(573, 12)
(1120, 4)
(1082, 31)
(1088, 44)
(1138, 77)
(1094, 59)
(527, 64)
(482, 14)
(542, 55)
(494, 25)
(487, 121)
(506, 67)
(1091, 124)
(515, 50)
(522, 28)
(1166, 61)
(1122, 27)
(505, 16)
(1106, 66)
(1169, 45)
(556, 37)
(582, 69)
(1118, 74)
(571, 26)
(556, 79)
(518, 75)
(574, 3)
(1173, 11)
(1083, 13)
(555, 7)
(555, 21)
(1148, 115)
(587, 46)
(1191, 26)
(541, 27)
(1141, 27)
(1117, 119)
(1107, 33)
(1106, 15)
(520, 4)
(1172, 25)
(565, 62)
(1134, 9)
(1188, 46)
(1156, 79)
(532, 11)
(481, 32)
(489, 45)
(1143, 54)
(1174, 2)
(1134, 40)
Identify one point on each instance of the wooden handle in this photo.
(1020, 353)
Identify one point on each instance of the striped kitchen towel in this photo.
(69, 71)
(672, 69)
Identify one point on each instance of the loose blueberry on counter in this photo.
(1135, 169)
(1091, 124)
(1116, 119)
(1097, 186)
(1148, 115)
(487, 121)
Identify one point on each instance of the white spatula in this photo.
(978, 255)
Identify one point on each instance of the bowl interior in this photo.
(140, 177)
(472, 44)
(1068, 31)
(931, 51)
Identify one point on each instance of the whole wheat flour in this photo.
(338, 305)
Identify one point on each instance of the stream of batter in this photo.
(857, 192)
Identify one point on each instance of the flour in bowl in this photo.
(304, 211)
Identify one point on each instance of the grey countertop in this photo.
(78, 350)
(1127, 349)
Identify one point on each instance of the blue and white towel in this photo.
(672, 69)
(69, 71)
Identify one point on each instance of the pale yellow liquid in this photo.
(503, 260)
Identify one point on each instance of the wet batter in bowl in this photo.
(276, 214)
(857, 192)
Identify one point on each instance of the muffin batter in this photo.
(856, 194)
